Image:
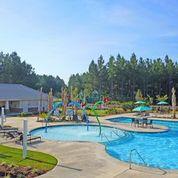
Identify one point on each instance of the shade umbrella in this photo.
(162, 103)
(57, 104)
(174, 102)
(74, 103)
(140, 102)
(142, 108)
(50, 100)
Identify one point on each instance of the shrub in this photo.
(112, 111)
(43, 115)
(127, 106)
(114, 102)
(24, 114)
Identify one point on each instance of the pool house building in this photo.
(17, 98)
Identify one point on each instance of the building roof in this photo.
(19, 92)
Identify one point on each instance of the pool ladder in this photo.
(144, 163)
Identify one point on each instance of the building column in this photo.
(25, 106)
(39, 106)
(7, 106)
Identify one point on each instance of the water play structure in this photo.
(53, 106)
(96, 115)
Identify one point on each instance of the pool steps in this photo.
(121, 138)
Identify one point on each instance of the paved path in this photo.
(85, 159)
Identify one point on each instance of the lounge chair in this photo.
(13, 134)
(8, 128)
(6, 131)
(29, 138)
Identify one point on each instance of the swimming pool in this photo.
(81, 133)
(157, 149)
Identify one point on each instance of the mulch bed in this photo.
(19, 171)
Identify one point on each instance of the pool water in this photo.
(80, 133)
(157, 149)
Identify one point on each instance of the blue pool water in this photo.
(157, 149)
(79, 133)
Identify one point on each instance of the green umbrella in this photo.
(74, 103)
(140, 102)
(162, 103)
(142, 108)
(57, 104)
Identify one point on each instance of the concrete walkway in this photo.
(85, 159)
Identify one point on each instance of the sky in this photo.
(61, 37)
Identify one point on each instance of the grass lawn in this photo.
(36, 160)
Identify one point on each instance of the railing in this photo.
(113, 132)
(145, 164)
(116, 133)
(103, 135)
(125, 134)
(130, 161)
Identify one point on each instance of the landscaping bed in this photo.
(36, 163)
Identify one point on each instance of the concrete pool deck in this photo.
(86, 159)
(129, 127)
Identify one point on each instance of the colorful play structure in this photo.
(54, 106)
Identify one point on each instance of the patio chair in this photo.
(144, 122)
(132, 121)
(136, 122)
(150, 123)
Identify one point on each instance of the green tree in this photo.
(111, 75)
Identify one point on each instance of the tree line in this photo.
(14, 70)
(120, 78)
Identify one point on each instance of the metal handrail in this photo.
(130, 161)
(130, 165)
(102, 134)
(116, 133)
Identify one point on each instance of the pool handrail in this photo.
(145, 164)
(102, 134)
(116, 133)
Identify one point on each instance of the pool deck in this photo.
(129, 127)
(86, 159)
